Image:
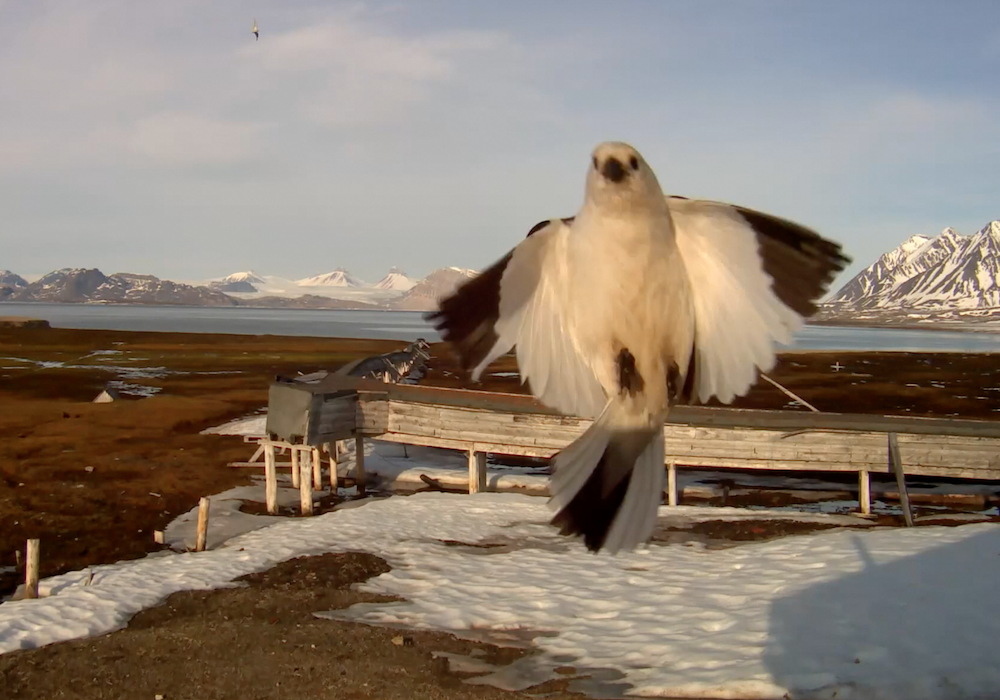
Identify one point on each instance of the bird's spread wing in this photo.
(753, 278)
(521, 302)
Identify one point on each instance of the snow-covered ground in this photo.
(879, 613)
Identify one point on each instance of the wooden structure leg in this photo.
(317, 471)
(305, 480)
(359, 463)
(477, 471)
(295, 468)
(897, 467)
(202, 538)
(32, 560)
(331, 448)
(671, 484)
(865, 492)
(270, 479)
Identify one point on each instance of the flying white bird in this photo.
(256, 34)
(639, 302)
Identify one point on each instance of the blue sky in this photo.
(161, 138)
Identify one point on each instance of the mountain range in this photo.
(949, 273)
(925, 279)
(338, 289)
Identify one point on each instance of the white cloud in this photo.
(96, 83)
(380, 126)
(350, 72)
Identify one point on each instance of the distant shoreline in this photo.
(988, 325)
(937, 326)
(140, 304)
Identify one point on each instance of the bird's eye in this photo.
(634, 162)
(595, 162)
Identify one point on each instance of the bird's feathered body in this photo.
(638, 302)
(625, 277)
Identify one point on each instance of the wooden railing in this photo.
(513, 424)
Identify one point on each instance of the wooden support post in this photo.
(295, 467)
(305, 481)
(203, 505)
(32, 559)
(317, 465)
(865, 492)
(270, 479)
(331, 448)
(257, 454)
(896, 462)
(671, 484)
(359, 463)
(477, 471)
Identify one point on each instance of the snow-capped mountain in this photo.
(339, 285)
(67, 284)
(9, 279)
(949, 271)
(77, 285)
(425, 294)
(338, 278)
(249, 276)
(396, 281)
(880, 275)
(338, 289)
(243, 282)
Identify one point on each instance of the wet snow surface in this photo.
(875, 613)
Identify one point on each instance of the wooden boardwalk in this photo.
(479, 422)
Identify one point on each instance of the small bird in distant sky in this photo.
(254, 30)
(639, 302)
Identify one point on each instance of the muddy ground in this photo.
(93, 481)
(963, 385)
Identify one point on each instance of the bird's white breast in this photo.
(628, 288)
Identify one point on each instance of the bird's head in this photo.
(619, 178)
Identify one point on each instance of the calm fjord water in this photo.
(410, 325)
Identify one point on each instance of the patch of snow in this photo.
(830, 614)
(134, 389)
(400, 469)
(226, 521)
(254, 426)
(104, 353)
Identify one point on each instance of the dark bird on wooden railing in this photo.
(392, 367)
(639, 302)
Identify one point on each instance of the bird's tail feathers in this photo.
(608, 484)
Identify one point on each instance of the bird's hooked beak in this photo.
(613, 170)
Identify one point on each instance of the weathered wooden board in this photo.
(542, 435)
(685, 415)
(515, 424)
